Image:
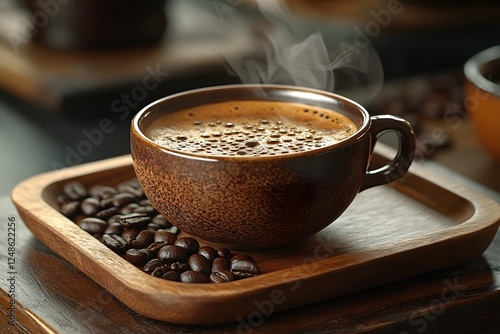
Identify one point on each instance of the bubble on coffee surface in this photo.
(250, 128)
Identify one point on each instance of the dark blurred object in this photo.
(413, 37)
(189, 55)
(98, 24)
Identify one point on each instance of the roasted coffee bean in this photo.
(174, 229)
(90, 206)
(161, 221)
(138, 257)
(173, 253)
(115, 242)
(133, 181)
(225, 253)
(179, 267)
(198, 262)
(165, 236)
(220, 264)
(132, 215)
(107, 213)
(71, 209)
(153, 227)
(222, 276)
(135, 220)
(245, 268)
(143, 239)
(130, 234)
(100, 192)
(155, 263)
(190, 244)
(122, 186)
(106, 202)
(192, 276)
(172, 276)
(114, 228)
(129, 208)
(62, 199)
(93, 225)
(209, 252)
(159, 271)
(149, 210)
(122, 199)
(155, 247)
(242, 257)
(145, 202)
(75, 190)
(114, 219)
(130, 189)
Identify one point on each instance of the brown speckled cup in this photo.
(263, 202)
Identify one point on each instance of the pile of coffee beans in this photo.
(124, 220)
(422, 99)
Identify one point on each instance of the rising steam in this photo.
(295, 55)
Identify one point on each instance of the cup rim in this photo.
(360, 132)
(472, 69)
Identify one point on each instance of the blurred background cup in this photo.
(482, 98)
(97, 24)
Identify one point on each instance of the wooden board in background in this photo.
(192, 51)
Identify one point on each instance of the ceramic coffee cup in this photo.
(266, 201)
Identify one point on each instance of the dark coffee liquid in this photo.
(253, 128)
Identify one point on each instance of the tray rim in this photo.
(87, 256)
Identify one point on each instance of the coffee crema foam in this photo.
(250, 128)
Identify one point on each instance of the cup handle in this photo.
(400, 164)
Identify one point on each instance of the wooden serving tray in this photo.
(418, 224)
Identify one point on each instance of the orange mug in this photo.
(482, 97)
